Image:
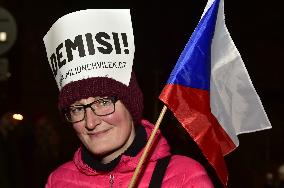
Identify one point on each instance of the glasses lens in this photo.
(75, 113)
(103, 106)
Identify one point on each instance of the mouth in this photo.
(100, 133)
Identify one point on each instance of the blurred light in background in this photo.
(18, 117)
(3, 36)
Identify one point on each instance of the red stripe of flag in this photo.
(191, 107)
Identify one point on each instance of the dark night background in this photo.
(42, 141)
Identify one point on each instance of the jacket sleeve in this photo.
(199, 181)
(48, 183)
(185, 172)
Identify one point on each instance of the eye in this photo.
(74, 110)
(104, 102)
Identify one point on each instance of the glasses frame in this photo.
(85, 106)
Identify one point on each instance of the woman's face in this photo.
(105, 136)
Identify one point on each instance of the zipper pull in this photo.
(111, 180)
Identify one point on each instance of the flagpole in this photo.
(147, 148)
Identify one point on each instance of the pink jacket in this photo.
(181, 172)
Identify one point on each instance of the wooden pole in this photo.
(147, 148)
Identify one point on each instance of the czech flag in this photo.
(210, 92)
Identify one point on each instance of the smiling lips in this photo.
(99, 133)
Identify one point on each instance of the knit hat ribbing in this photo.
(131, 95)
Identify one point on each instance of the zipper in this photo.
(111, 180)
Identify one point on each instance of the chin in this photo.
(102, 150)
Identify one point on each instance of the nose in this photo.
(91, 119)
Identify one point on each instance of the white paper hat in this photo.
(91, 43)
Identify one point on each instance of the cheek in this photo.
(120, 118)
(78, 127)
(122, 121)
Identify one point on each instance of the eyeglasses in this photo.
(101, 107)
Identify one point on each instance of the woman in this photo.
(106, 115)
